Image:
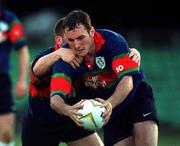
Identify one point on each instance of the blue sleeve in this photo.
(118, 45)
(38, 56)
(16, 32)
(61, 82)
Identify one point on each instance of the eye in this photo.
(70, 40)
(81, 37)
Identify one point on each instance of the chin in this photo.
(82, 54)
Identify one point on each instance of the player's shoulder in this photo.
(42, 53)
(47, 51)
(110, 34)
(63, 67)
(10, 15)
(104, 30)
(63, 64)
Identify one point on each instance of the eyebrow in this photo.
(79, 37)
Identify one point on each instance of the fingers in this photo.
(108, 106)
(75, 63)
(108, 111)
(79, 59)
(131, 54)
(75, 114)
(79, 105)
(135, 58)
(100, 100)
(77, 120)
(135, 55)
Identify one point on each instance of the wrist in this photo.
(57, 55)
(111, 101)
(65, 109)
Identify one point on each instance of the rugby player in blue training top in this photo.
(43, 126)
(12, 36)
(106, 72)
(39, 92)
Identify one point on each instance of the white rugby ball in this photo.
(92, 115)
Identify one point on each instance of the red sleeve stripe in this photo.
(123, 64)
(16, 32)
(60, 83)
(127, 72)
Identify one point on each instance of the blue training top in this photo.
(100, 78)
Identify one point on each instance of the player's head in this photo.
(79, 31)
(75, 18)
(58, 27)
(59, 32)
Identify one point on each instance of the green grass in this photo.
(169, 138)
(166, 138)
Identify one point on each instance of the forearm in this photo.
(122, 90)
(43, 65)
(23, 63)
(57, 104)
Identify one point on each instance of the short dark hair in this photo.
(75, 18)
(58, 27)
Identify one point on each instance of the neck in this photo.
(92, 50)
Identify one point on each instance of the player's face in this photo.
(80, 40)
(64, 38)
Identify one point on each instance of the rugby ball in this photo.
(92, 115)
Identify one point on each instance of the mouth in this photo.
(81, 52)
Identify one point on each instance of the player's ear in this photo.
(92, 31)
(58, 40)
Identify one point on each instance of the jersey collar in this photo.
(99, 41)
(56, 47)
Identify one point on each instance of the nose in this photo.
(76, 44)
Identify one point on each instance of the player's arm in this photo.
(61, 86)
(57, 104)
(124, 67)
(122, 90)
(17, 37)
(125, 85)
(135, 55)
(21, 85)
(44, 64)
